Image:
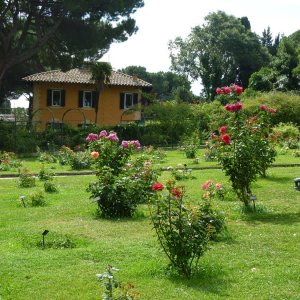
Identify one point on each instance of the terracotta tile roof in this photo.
(84, 76)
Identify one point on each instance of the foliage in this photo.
(111, 284)
(78, 160)
(282, 73)
(26, 179)
(166, 86)
(50, 187)
(243, 147)
(121, 184)
(183, 230)
(190, 144)
(37, 198)
(181, 172)
(36, 35)
(9, 160)
(45, 174)
(218, 52)
(287, 134)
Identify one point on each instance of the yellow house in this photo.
(71, 98)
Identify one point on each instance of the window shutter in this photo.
(49, 94)
(94, 99)
(80, 99)
(63, 97)
(135, 98)
(122, 98)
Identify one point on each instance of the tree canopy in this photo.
(40, 34)
(283, 71)
(166, 85)
(217, 50)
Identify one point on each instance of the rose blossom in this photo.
(227, 90)
(157, 187)
(102, 134)
(237, 89)
(207, 184)
(223, 129)
(92, 137)
(226, 139)
(95, 154)
(218, 186)
(219, 91)
(175, 193)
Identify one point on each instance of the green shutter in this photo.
(95, 99)
(80, 99)
(135, 98)
(49, 94)
(122, 97)
(63, 97)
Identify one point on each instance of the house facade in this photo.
(71, 98)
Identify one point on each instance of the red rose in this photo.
(237, 89)
(157, 187)
(226, 139)
(223, 129)
(175, 193)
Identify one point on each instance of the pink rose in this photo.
(226, 90)
(219, 91)
(92, 137)
(102, 134)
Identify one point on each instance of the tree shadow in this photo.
(209, 278)
(283, 179)
(275, 218)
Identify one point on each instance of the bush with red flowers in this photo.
(183, 229)
(242, 144)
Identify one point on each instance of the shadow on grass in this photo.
(138, 216)
(275, 218)
(210, 278)
(283, 179)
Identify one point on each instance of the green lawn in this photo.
(260, 259)
(173, 158)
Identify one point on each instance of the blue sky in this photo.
(160, 21)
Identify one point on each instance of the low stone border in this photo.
(162, 169)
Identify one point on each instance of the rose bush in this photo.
(183, 229)
(122, 183)
(242, 144)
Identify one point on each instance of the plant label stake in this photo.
(45, 232)
(253, 198)
(22, 200)
(297, 184)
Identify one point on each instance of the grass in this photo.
(259, 260)
(173, 158)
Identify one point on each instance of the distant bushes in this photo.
(165, 124)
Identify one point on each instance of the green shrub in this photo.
(50, 187)
(287, 134)
(37, 198)
(26, 179)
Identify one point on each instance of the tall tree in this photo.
(60, 33)
(213, 53)
(165, 85)
(101, 72)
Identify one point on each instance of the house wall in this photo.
(109, 112)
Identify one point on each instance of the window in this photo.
(55, 98)
(128, 100)
(87, 99)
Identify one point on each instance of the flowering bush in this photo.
(8, 160)
(121, 183)
(213, 190)
(242, 144)
(183, 230)
(181, 172)
(78, 160)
